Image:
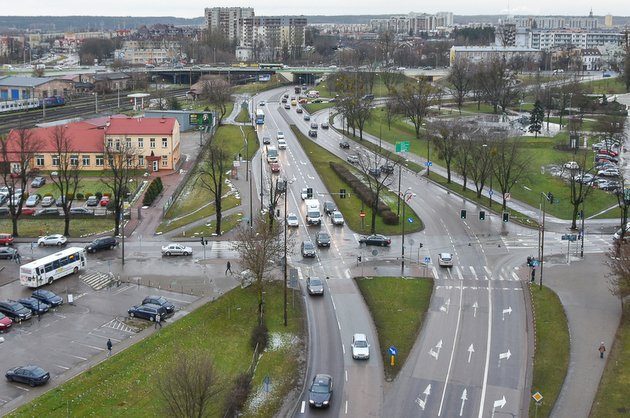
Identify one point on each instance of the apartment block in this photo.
(227, 20)
(265, 37)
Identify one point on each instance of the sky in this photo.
(194, 8)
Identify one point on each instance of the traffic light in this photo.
(421, 245)
(462, 213)
(506, 217)
(482, 215)
(309, 193)
(359, 259)
(204, 241)
(342, 193)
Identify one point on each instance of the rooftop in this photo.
(141, 126)
(22, 81)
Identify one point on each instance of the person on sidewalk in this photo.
(18, 258)
(602, 350)
(158, 320)
(229, 268)
(109, 347)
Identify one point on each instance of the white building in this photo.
(591, 59)
(265, 37)
(555, 22)
(413, 23)
(227, 20)
(476, 54)
(549, 39)
(149, 52)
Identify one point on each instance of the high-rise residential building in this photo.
(413, 23)
(265, 37)
(227, 20)
(554, 22)
(608, 21)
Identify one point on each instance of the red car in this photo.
(608, 152)
(28, 211)
(275, 167)
(5, 323)
(6, 239)
(104, 201)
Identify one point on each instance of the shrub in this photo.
(80, 196)
(153, 191)
(239, 394)
(98, 195)
(390, 218)
(260, 337)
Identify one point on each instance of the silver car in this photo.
(56, 239)
(314, 286)
(337, 218)
(176, 249)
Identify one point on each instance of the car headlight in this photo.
(325, 403)
(311, 401)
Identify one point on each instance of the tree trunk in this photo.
(574, 216)
(15, 226)
(66, 224)
(217, 204)
(116, 221)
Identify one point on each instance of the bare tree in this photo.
(461, 81)
(612, 126)
(447, 137)
(121, 162)
(217, 91)
(391, 111)
(498, 83)
(377, 180)
(579, 187)
(67, 179)
(463, 159)
(18, 156)
(510, 164)
(259, 246)
(277, 189)
(390, 78)
(212, 177)
(482, 155)
(188, 385)
(619, 263)
(414, 101)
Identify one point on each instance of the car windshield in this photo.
(319, 388)
(316, 282)
(308, 246)
(360, 343)
(323, 236)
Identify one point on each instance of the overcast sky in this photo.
(194, 8)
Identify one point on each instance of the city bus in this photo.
(271, 66)
(260, 117)
(52, 267)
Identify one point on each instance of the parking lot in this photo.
(72, 334)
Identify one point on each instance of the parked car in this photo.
(606, 157)
(59, 202)
(344, 145)
(314, 286)
(176, 249)
(32, 200)
(266, 140)
(322, 239)
(368, 97)
(329, 207)
(610, 152)
(608, 172)
(360, 347)
(48, 201)
(7, 253)
(36, 306)
(28, 211)
(571, 165)
(46, 211)
(445, 259)
(30, 375)
(5, 323)
(148, 311)
(92, 201)
(15, 310)
(337, 218)
(81, 211)
(103, 243)
(376, 239)
(160, 301)
(352, 159)
(55, 239)
(320, 392)
(48, 297)
(324, 125)
(38, 182)
(6, 239)
(4, 212)
(308, 249)
(292, 220)
(15, 199)
(104, 201)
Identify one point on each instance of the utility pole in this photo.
(408, 194)
(582, 246)
(286, 187)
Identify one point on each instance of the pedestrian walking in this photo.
(18, 258)
(229, 268)
(109, 347)
(158, 320)
(602, 350)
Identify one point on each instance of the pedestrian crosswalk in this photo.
(474, 273)
(97, 280)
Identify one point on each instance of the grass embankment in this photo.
(194, 196)
(228, 223)
(316, 107)
(79, 227)
(243, 115)
(378, 90)
(125, 384)
(398, 307)
(551, 358)
(612, 396)
(259, 86)
(608, 85)
(541, 152)
(351, 206)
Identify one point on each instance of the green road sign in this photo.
(200, 119)
(402, 146)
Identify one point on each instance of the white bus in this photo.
(52, 267)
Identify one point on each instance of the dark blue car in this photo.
(48, 297)
(35, 305)
(31, 375)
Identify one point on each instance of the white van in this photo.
(282, 144)
(272, 154)
(313, 214)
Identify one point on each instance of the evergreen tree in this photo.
(626, 71)
(536, 118)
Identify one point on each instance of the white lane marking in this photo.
(21, 388)
(515, 276)
(90, 346)
(346, 375)
(103, 337)
(488, 344)
(78, 357)
(343, 347)
(460, 276)
(487, 270)
(62, 367)
(472, 270)
(346, 407)
(338, 325)
(302, 408)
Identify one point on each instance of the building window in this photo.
(118, 145)
(99, 161)
(164, 160)
(110, 160)
(152, 143)
(74, 160)
(39, 160)
(55, 160)
(109, 143)
(140, 142)
(128, 143)
(141, 160)
(164, 142)
(86, 160)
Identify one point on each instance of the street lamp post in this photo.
(286, 188)
(541, 235)
(407, 195)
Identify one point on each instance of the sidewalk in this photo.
(593, 314)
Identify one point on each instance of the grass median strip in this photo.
(79, 227)
(125, 384)
(551, 356)
(398, 307)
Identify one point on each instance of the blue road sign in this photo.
(393, 351)
(535, 263)
(428, 163)
(427, 260)
(491, 192)
(410, 220)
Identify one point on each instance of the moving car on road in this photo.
(176, 249)
(275, 167)
(308, 249)
(320, 392)
(315, 286)
(322, 239)
(102, 243)
(344, 145)
(337, 218)
(293, 220)
(376, 239)
(55, 239)
(31, 375)
(445, 259)
(360, 347)
(353, 159)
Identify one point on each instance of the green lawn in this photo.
(258, 86)
(243, 115)
(551, 359)
(612, 396)
(228, 223)
(125, 385)
(398, 307)
(34, 227)
(315, 107)
(608, 86)
(351, 206)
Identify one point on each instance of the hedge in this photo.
(153, 191)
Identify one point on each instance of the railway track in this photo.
(83, 107)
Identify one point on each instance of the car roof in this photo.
(446, 255)
(359, 337)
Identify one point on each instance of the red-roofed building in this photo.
(156, 143)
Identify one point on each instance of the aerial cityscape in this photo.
(343, 210)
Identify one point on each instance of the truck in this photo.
(313, 213)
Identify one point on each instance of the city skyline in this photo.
(195, 8)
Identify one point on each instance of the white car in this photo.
(304, 194)
(280, 135)
(360, 347)
(282, 144)
(176, 249)
(445, 259)
(56, 239)
(353, 159)
(337, 218)
(261, 103)
(572, 165)
(292, 220)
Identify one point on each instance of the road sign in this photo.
(507, 196)
(569, 237)
(200, 119)
(491, 192)
(293, 278)
(266, 383)
(427, 260)
(393, 351)
(375, 252)
(537, 397)
(428, 163)
(410, 220)
(535, 263)
(402, 146)
(362, 214)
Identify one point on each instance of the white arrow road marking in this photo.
(475, 307)
(464, 398)
(506, 311)
(436, 353)
(302, 162)
(471, 350)
(310, 177)
(422, 403)
(500, 403)
(505, 355)
(444, 308)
